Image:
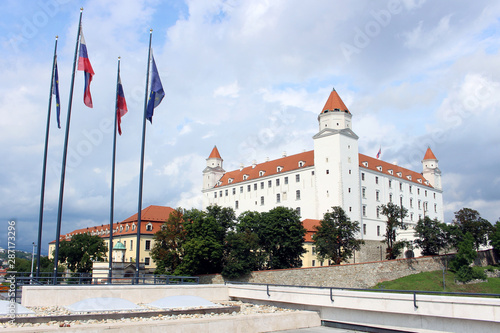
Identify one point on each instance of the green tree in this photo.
(241, 256)
(335, 237)
(470, 221)
(430, 236)
(495, 237)
(281, 236)
(167, 251)
(205, 237)
(395, 216)
(452, 236)
(464, 258)
(81, 251)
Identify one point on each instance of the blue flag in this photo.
(156, 95)
(55, 91)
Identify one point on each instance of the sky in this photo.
(249, 76)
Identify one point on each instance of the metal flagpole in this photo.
(110, 275)
(44, 168)
(141, 173)
(65, 153)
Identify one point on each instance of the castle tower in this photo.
(336, 160)
(431, 170)
(214, 171)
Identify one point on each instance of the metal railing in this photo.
(64, 279)
(331, 289)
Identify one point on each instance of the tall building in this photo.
(333, 174)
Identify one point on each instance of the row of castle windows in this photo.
(255, 186)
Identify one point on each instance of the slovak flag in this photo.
(121, 104)
(379, 152)
(85, 66)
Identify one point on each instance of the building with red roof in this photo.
(334, 173)
(125, 235)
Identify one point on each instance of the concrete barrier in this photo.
(66, 295)
(434, 313)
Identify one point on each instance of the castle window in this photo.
(286, 180)
(378, 212)
(234, 190)
(297, 195)
(277, 182)
(376, 179)
(278, 169)
(435, 208)
(364, 229)
(149, 227)
(362, 176)
(411, 202)
(411, 216)
(230, 180)
(241, 189)
(133, 227)
(379, 168)
(434, 195)
(249, 188)
(146, 261)
(278, 198)
(401, 202)
(148, 245)
(418, 191)
(409, 177)
(400, 174)
(261, 185)
(390, 197)
(297, 178)
(301, 164)
(131, 246)
(377, 195)
(419, 204)
(365, 164)
(262, 201)
(245, 177)
(312, 173)
(419, 180)
(298, 211)
(364, 210)
(236, 204)
(226, 192)
(411, 189)
(269, 183)
(391, 172)
(127, 227)
(378, 230)
(425, 192)
(255, 187)
(261, 173)
(363, 192)
(400, 186)
(327, 172)
(220, 193)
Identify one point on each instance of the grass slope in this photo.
(433, 281)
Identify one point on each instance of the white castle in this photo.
(333, 174)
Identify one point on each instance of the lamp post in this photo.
(32, 260)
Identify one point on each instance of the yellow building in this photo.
(125, 232)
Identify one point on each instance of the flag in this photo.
(121, 104)
(85, 66)
(157, 93)
(55, 91)
(379, 152)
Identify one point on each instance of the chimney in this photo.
(241, 166)
(284, 154)
(254, 164)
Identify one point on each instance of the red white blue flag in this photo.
(379, 152)
(121, 104)
(85, 66)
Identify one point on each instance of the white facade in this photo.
(333, 174)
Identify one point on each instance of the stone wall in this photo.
(362, 275)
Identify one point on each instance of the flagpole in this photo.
(44, 168)
(113, 180)
(141, 172)
(65, 153)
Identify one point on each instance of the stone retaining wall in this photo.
(363, 275)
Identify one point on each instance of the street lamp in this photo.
(32, 260)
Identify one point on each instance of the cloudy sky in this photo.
(249, 76)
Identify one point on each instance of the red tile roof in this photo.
(269, 168)
(215, 153)
(429, 155)
(309, 224)
(385, 168)
(334, 103)
(154, 215)
(291, 163)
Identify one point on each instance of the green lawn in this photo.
(433, 281)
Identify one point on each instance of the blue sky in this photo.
(249, 77)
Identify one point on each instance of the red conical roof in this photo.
(334, 103)
(429, 155)
(215, 153)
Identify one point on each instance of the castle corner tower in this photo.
(213, 171)
(431, 170)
